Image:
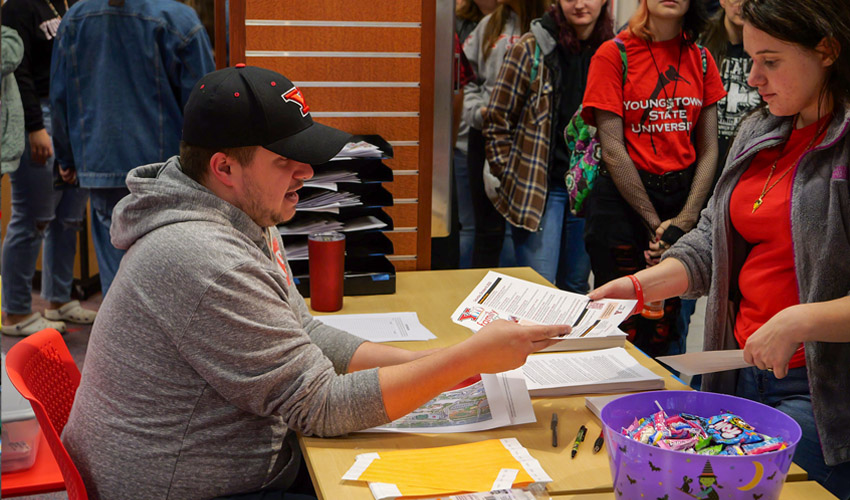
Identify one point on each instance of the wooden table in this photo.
(434, 295)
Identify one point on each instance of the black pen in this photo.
(554, 426)
(579, 438)
(597, 445)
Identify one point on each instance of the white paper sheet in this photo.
(695, 363)
(493, 401)
(383, 327)
(499, 296)
(605, 370)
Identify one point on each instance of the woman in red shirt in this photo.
(658, 132)
(771, 250)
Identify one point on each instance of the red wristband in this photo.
(638, 293)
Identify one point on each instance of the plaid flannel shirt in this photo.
(517, 134)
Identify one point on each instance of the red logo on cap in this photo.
(294, 95)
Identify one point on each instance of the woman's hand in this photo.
(772, 345)
(657, 246)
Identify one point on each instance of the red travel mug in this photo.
(327, 267)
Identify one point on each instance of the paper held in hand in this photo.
(696, 363)
(498, 296)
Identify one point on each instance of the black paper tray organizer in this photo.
(367, 269)
(363, 276)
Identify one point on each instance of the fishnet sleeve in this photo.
(623, 171)
(704, 174)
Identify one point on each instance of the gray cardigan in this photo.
(820, 229)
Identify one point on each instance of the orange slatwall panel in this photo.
(404, 158)
(367, 100)
(404, 265)
(361, 99)
(404, 186)
(332, 39)
(403, 243)
(336, 10)
(349, 69)
(390, 128)
(403, 214)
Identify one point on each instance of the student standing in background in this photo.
(486, 48)
(45, 209)
(467, 16)
(524, 137)
(658, 132)
(142, 59)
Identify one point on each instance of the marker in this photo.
(579, 438)
(597, 445)
(554, 426)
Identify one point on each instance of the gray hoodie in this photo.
(204, 358)
(820, 232)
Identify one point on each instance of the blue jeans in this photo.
(791, 396)
(103, 201)
(464, 209)
(40, 214)
(557, 250)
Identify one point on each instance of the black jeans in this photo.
(615, 237)
(489, 224)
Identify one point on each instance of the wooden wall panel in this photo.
(349, 69)
(404, 242)
(404, 265)
(337, 10)
(391, 129)
(404, 158)
(394, 37)
(332, 39)
(404, 186)
(403, 214)
(360, 98)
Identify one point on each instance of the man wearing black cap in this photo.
(204, 358)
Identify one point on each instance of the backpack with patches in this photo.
(585, 150)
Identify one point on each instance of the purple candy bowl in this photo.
(645, 472)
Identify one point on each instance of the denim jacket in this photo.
(120, 77)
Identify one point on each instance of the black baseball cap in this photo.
(251, 106)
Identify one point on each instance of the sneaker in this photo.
(71, 312)
(35, 322)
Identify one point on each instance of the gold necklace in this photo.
(766, 189)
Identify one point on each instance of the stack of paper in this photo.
(324, 201)
(498, 296)
(334, 175)
(596, 403)
(606, 370)
(309, 223)
(486, 401)
(386, 327)
(482, 466)
(360, 149)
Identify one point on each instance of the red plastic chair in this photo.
(42, 369)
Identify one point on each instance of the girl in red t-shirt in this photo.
(658, 131)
